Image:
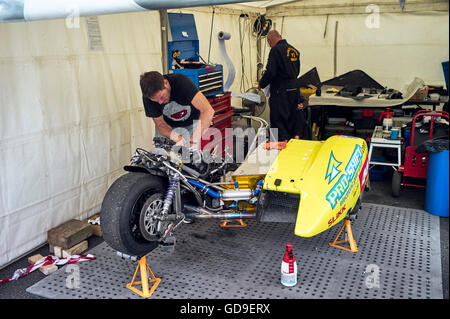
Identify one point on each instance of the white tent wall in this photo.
(392, 50)
(70, 118)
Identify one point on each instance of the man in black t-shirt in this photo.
(176, 106)
(286, 102)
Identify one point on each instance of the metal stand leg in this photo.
(143, 268)
(226, 223)
(370, 151)
(353, 248)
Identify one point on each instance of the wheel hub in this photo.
(150, 223)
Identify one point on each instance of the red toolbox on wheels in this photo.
(415, 164)
(218, 135)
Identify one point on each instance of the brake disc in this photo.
(150, 222)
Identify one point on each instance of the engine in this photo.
(207, 165)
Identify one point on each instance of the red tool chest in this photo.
(223, 114)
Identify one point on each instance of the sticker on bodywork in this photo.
(363, 173)
(332, 170)
(341, 189)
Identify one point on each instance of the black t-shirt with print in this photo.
(179, 112)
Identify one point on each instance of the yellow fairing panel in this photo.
(329, 175)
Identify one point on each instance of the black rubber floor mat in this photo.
(398, 257)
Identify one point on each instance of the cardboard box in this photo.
(420, 95)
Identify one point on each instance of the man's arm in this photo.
(271, 70)
(206, 114)
(166, 130)
(302, 102)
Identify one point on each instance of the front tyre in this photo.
(121, 212)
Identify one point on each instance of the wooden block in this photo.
(57, 251)
(34, 258)
(96, 229)
(69, 234)
(46, 270)
(75, 250)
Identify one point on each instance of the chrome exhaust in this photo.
(203, 213)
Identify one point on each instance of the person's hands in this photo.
(181, 142)
(194, 144)
(300, 106)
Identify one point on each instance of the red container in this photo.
(223, 114)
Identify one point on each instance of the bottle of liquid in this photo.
(289, 268)
(387, 121)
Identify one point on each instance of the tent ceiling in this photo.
(30, 10)
(333, 7)
(268, 3)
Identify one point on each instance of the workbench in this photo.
(381, 139)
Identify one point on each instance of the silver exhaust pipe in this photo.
(203, 213)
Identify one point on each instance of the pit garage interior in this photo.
(72, 117)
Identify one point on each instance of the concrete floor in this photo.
(380, 193)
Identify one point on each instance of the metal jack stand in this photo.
(353, 248)
(145, 280)
(225, 223)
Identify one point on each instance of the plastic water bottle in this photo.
(289, 267)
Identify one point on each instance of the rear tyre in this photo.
(121, 212)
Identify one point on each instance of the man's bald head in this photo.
(273, 37)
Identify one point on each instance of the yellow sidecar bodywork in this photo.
(327, 177)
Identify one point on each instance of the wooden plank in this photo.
(69, 234)
(75, 250)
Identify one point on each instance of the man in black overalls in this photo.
(286, 103)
